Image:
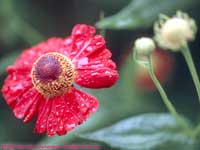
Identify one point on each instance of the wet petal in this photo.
(89, 46)
(97, 74)
(43, 114)
(61, 119)
(14, 86)
(100, 55)
(33, 109)
(81, 103)
(96, 65)
(69, 111)
(83, 43)
(24, 102)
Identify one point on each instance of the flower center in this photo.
(53, 74)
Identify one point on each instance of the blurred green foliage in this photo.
(24, 23)
(142, 13)
(148, 131)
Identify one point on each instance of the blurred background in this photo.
(27, 22)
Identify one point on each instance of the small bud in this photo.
(173, 33)
(144, 46)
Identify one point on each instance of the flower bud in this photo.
(144, 46)
(174, 32)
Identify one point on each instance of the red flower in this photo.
(41, 80)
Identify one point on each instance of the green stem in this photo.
(166, 100)
(102, 31)
(188, 57)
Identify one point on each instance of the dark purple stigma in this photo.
(47, 69)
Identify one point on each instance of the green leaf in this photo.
(142, 13)
(144, 132)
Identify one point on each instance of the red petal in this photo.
(100, 54)
(43, 114)
(82, 42)
(14, 86)
(24, 102)
(89, 46)
(32, 110)
(61, 119)
(81, 103)
(65, 113)
(98, 74)
(83, 31)
(96, 65)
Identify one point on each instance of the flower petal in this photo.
(89, 46)
(81, 103)
(66, 112)
(100, 54)
(82, 42)
(83, 31)
(14, 86)
(32, 110)
(97, 74)
(104, 63)
(24, 102)
(61, 119)
(43, 114)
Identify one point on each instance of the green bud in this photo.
(144, 46)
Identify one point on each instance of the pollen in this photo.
(53, 74)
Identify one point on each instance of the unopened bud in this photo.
(144, 46)
(175, 31)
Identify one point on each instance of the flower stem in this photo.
(188, 57)
(101, 17)
(166, 100)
